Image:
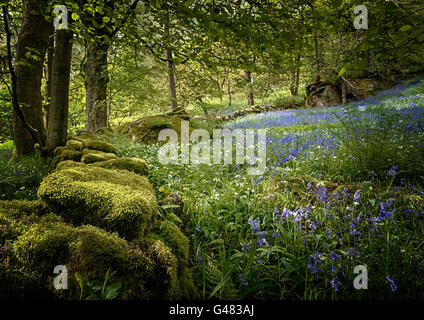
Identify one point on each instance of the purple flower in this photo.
(392, 284)
(356, 196)
(313, 262)
(198, 228)
(335, 283)
(254, 225)
(244, 280)
(277, 234)
(393, 170)
(262, 239)
(334, 256)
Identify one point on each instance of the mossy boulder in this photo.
(148, 271)
(75, 145)
(116, 200)
(101, 146)
(108, 131)
(92, 157)
(172, 236)
(135, 165)
(147, 128)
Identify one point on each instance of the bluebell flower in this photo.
(392, 284)
(254, 225)
(198, 228)
(277, 234)
(393, 170)
(244, 280)
(335, 283)
(334, 256)
(356, 196)
(313, 262)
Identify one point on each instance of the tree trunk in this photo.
(250, 98)
(48, 75)
(31, 50)
(317, 57)
(59, 110)
(229, 91)
(344, 92)
(96, 80)
(295, 78)
(171, 80)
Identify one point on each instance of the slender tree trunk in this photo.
(96, 80)
(344, 92)
(48, 75)
(229, 91)
(295, 77)
(317, 57)
(250, 98)
(171, 80)
(31, 49)
(59, 110)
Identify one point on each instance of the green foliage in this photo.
(97, 290)
(21, 178)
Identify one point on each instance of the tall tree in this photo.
(57, 132)
(31, 49)
(102, 20)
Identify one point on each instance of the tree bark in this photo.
(171, 80)
(59, 110)
(96, 80)
(48, 76)
(317, 57)
(294, 86)
(31, 50)
(250, 98)
(229, 91)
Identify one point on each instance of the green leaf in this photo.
(405, 28)
(342, 71)
(75, 16)
(112, 291)
(92, 297)
(80, 283)
(372, 201)
(170, 206)
(95, 285)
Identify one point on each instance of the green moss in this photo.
(101, 146)
(75, 145)
(113, 199)
(66, 155)
(95, 251)
(97, 157)
(148, 271)
(172, 236)
(71, 155)
(147, 129)
(136, 165)
(105, 131)
(82, 136)
(68, 164)
(57, 151)
(43, 246)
